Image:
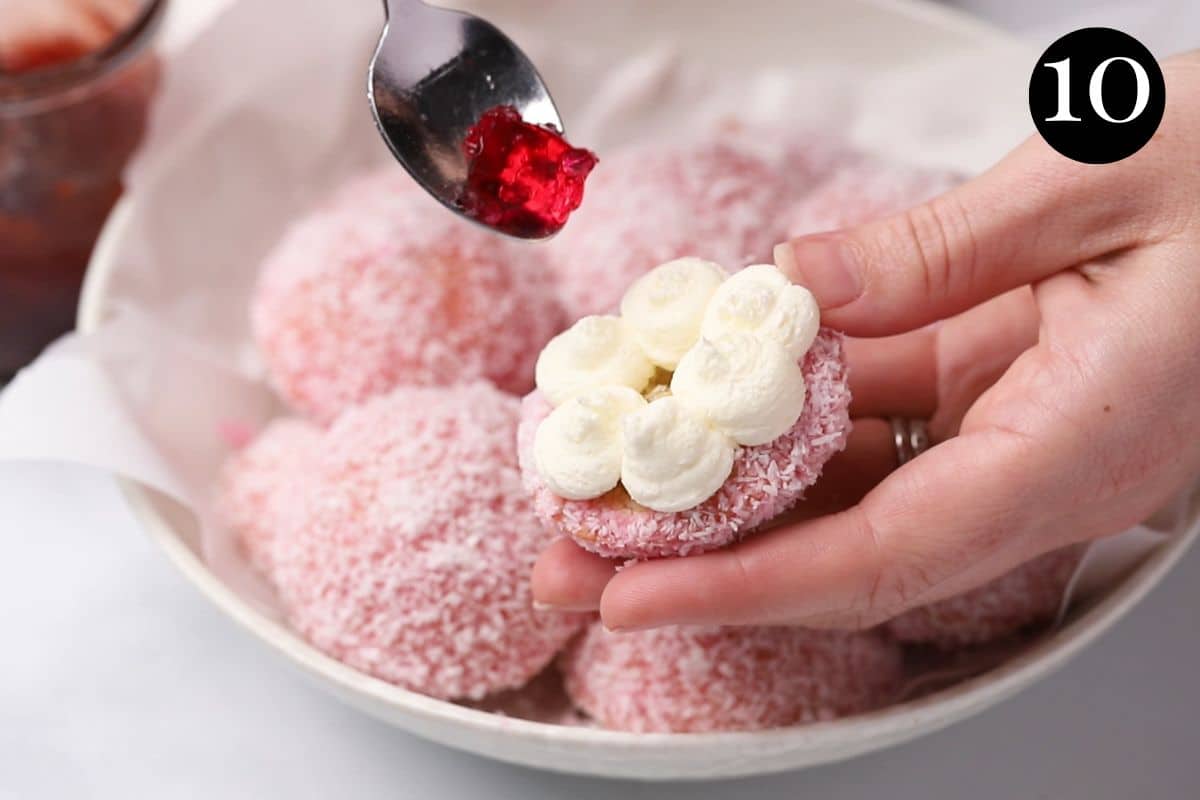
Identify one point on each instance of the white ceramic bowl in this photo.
(800, 34)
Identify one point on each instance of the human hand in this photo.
(1063, 412)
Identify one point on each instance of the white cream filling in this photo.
(734, 345)
(666, 306)
(672, 459)
(578, 448)
(595, 351)
(747, 387)
(761, 300)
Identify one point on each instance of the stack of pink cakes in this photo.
(399, 511)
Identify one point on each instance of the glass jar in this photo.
(76, 79)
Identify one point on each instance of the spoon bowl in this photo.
(434, 74)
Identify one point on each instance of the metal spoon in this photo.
(435, 72)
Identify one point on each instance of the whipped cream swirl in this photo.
(750, 388)
(673, 460)
(761, 300)
(578, 448)
(595, 351)
(734, 345)
(666, 306)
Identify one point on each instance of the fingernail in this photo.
(626, 626)
(824, 266)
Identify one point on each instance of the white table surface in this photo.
(117, 680)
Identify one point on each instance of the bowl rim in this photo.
(931, 712)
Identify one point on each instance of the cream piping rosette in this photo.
(660, 398)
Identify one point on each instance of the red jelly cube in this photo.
(523, 179)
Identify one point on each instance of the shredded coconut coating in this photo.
(766, 479)
(699, 679)
(256, 488)
(1027, 596)
(383, 287)
(543, 699)
(864, 190)
(720, 198)
(410, 558)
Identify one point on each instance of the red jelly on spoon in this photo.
(523, 179)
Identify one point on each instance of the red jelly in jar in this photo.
(523, 179)
(76, 78)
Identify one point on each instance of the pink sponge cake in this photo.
(765, 481)
(382, 288)
(694, 680)
(410, 555)
(703, 411)
(1029, 595)
(257, 487)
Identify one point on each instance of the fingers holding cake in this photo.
(569, 577)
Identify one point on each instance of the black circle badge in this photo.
(1097, 95)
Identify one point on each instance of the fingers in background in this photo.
(1030, 216)
(569, 578)
(952, 519)
(894, 376)
(974, 351)
(937, 373)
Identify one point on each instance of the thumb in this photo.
(1033, 214)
